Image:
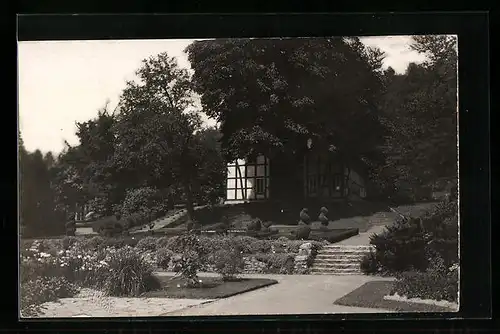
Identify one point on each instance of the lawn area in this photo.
(372, 294)
(211, 288)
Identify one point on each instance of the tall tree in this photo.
(420, 109)
(37, 204)
(156, 136)
(270, 95)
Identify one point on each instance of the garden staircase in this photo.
(339, 260)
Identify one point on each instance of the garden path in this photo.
(294, 294)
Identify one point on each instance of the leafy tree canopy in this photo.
(271, 95)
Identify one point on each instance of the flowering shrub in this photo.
(228, 263)
(162, 242)
(163, 258)
(438, 283)
(94, 243)
(41, 290)
(68, 241)
(128, 274)
(147, 244)
(192, 259)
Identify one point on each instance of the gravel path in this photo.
(91, 303)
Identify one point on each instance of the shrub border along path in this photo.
(371, 294)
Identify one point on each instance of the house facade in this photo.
(312, 176)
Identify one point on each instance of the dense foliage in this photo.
(149, 153)
(415, 243)
(438, 283)
(419, 108)
(259, 78)
(39, 214)
(228, 262)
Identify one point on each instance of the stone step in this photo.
(326, 266)
(342, 253)
(334, 261)
(335, 273)
(336, 270)
(343, 257)
(347, 248)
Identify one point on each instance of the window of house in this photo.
(260, 186)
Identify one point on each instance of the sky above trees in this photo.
(61, 83)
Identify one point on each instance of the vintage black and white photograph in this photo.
(238, 176)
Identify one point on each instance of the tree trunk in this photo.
(189, 201)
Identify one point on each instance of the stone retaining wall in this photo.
(302, 261)
(304, 258)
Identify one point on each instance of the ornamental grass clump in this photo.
(129, 274)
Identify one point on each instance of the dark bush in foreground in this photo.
(411, 243)
(401, 246)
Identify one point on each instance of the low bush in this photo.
(277, 263)
(164, 257)
(259, 246)
(401, 246)
(121, 242)
(129, 274)
(436, 284)
(193, 256)
(147, 244)
(174, 244)
(42, 289)
(411, 243)
(369, 264)
(254, 225)
(162, 242)
(68, 241)
(261, 234)
(303, 232)
(94, 243)
(267, 224)
(228, 263)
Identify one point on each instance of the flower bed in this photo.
(52, 269)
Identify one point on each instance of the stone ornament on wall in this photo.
(303, 258)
